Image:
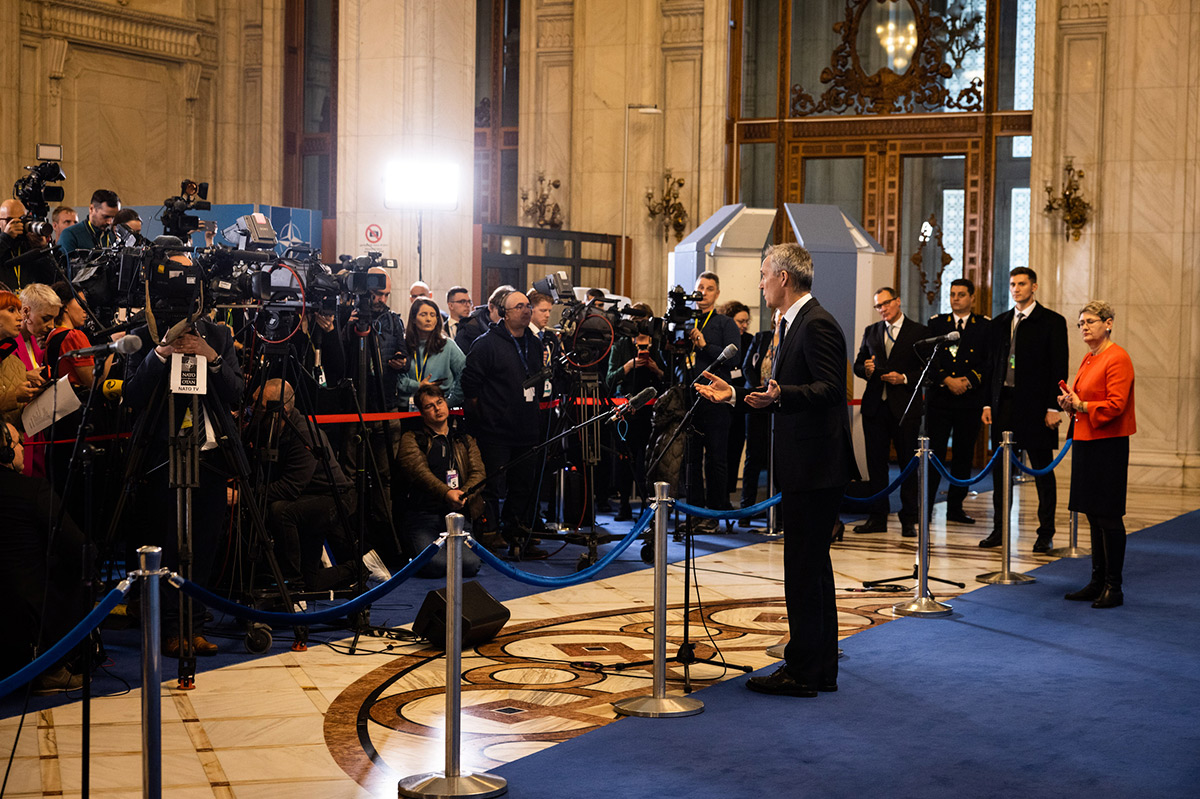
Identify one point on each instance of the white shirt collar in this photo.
(1025, 313)
(791, 313)
(965, 317)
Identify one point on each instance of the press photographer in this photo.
(163, 415)
(707, 460)
(21, 233)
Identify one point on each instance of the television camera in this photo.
(36, 196)
(176, 220)
(589, 328)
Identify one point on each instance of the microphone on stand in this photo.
(728, 354)
(953, 335)
(635, 403)
(126, 345)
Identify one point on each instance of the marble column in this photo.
(406, 89)
(1116, 87)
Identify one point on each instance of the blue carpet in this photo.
(1019, 693)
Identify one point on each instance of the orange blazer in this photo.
(1105, 383)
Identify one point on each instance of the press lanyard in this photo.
(522, 352)
(710, 313)
(29, 351)
(421, 368)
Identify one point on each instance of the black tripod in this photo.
(183, 464)
(926, 511)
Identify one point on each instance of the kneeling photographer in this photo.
(441, 463)
(303, 496)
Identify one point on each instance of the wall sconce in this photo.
(1075, 210)
(542, 211)
(675, 216)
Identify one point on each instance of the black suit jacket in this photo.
(147, 375)
(966, 357)
(760, 345)
(1041, 361)
(812, 427)
(903, 359)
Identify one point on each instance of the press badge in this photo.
(189, 374)
(735, 374)
(530, 394)
(452, 478)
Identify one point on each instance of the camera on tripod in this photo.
(175, 217)
(35, 195)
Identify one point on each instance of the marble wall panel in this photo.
(1156, 56)
(1152, 335)
(1156, 197)
(121, 126)
(1158, 123)
(1153, 268)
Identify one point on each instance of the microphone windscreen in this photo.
(953, 335)
(127, 345)
(729, 352)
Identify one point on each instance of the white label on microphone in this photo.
(189, 374)
(531, 394)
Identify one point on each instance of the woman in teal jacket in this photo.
(432, 357)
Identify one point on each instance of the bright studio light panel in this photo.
(421, 185)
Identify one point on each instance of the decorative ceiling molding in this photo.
(1074, 9)
(683, 22)
(555, 32)
(97, 24)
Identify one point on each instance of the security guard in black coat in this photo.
(957, 399)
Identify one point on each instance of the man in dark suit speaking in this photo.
(813, 464)
(1027, 356)
(889, 364)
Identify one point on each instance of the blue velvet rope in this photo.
(208, 598)
(68, 642)
(578, 577)
(909, 469)
(737, 513)
(944, 471)
(1047, 469)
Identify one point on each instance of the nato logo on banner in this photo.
(294, 227)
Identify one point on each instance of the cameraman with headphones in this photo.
(505, 415)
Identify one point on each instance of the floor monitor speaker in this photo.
(482, 616)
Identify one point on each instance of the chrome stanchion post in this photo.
(1006, 576)
(150, 560)
(773, 525)
(658, 704)
(923, 603)
(453, 782)
(1072, 550)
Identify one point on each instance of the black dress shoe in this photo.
(871, 526)
(992, 540)
(1109, 598)
(780, 683)
(959, 516)
(624, 513)
(908, 530)
(1088, 593)
(1043, 543)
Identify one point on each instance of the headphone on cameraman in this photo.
(8, 452)
(503, 300)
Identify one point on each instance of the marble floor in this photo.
(322, 723)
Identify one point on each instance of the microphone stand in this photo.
(922, 436)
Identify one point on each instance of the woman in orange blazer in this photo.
(1101, 402)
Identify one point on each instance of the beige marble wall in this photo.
(1116, 86)
(142, 95)
(607, 56)
(406, 89)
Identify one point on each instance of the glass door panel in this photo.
(932, 186)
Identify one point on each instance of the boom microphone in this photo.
(728, 354)
(636, 403)
(126, 345)
(953, 335)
